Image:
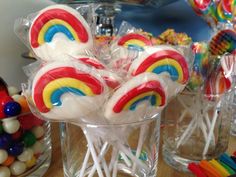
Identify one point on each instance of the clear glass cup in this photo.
(233, 123)
(196, 128)
(28, 149)
(111, 150)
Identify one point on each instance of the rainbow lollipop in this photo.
(67, 90)
(59, 31)
(162, 59)
(131, 96)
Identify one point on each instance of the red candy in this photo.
(17, 135)
(28, 121)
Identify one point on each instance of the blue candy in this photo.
(5, 141)
(16, 149)
(12, 109)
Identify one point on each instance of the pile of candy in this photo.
(224, 166)
(20, 133)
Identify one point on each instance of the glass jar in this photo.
(233, 123)
(26, 152)
(111, 150)
(196, 128)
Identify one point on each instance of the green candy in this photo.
(1, 129)
(29, 139)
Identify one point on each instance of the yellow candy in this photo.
(219, 168)
(30, 163)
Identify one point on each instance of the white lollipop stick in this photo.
(86, 158)
(93, 153)
(113, 158)
(142, 135)
(132, 157)
(114, 172)
(187, 131)
(206, 148)
(125, 158)
(208, 122)
(100, 158)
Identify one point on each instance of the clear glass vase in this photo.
(196, 128)
(111, 150)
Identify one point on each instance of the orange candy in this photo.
(9, 161)
(209, 169)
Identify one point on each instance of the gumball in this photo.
(9, 161)
(16, 149)
(12, 109)
(38, 148)
(29, 139)
(11, 125)
(26, 155)
(12, 90)
(3, 155)
(30, 163)
(17, 168)
(26, 121)
(38, 131)
(4, 100)
(17, 135)
(4, 172)
(23, 102)
(5, 141)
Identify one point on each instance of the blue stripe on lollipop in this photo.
(57, 29)
(56, 95)
(167, 68)
(151, 98)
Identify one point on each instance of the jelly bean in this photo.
(9, 161)
(26, 155)
(5, 141)
(12, 90)
(12, 109)
(16, 149)
(11, 125)
(29, 139)
(30, 163)
(38, 148)
(38, 131)
(5, 172)
(17, 168)
(3, 155)
(17, 135)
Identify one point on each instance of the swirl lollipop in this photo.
(59, 31)
(162, 59)
(223, 42)
(63, 90)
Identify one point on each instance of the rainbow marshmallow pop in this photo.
(162, 59)
(66, 90)
(59, 31)
(130, 97)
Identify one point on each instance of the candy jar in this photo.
(25, 144)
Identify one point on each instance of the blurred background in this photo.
(155, 17)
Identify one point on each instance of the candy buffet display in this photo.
(24, 139)
(114, 100)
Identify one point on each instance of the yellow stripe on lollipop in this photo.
(49, 24)
(134, 42)
(64, 82)
(167, 61)
(139, 97)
